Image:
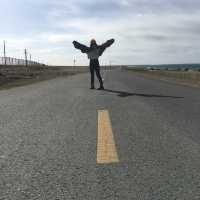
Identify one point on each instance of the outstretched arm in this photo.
(83, 48)
(106, 45)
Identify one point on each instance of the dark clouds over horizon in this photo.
(146, 32)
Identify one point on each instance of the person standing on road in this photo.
(94, 52)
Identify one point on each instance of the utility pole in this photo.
(74, 62)
(4, 51)
(25, 52)
(30, 63)
(30, 59)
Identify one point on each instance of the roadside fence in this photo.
(14, 61)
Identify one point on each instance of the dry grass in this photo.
(191, 78)
(12, 76)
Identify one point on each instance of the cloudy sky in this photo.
(146, 31)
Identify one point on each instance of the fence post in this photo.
(26, 61)
(4, 50)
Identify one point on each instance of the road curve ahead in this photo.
(138, 139)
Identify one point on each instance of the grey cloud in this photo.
(113, 9)
(191, 27)
(167, 6)
(155, 37)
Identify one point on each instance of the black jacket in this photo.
(99, 49)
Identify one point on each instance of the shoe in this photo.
(92, 88)
(101, 88)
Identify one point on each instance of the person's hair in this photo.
(93, 42)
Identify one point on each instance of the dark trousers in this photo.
(94, 66)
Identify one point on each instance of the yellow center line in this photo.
(106, 148)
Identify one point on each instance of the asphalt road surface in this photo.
(49, 136)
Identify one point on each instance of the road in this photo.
(49, 138)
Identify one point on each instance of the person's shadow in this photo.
(127, 94)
